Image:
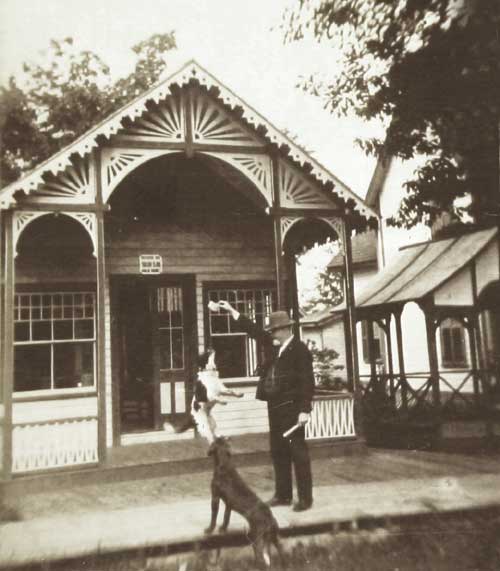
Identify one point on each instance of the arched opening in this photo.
(182, 191)
(54, 308)
(205, 224)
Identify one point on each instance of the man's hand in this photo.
(226, 306)
(304, 418)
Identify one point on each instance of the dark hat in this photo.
(278, 320)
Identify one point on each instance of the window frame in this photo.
(377, 338)
(454, 362)
(58, 289)
(235, 285)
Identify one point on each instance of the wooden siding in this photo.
(241, 416)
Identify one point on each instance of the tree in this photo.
(60, 98)
(429, 70)
(329, 292)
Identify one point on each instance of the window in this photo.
(238, 355)
(453, 352)
(166, 302)
(377, 343)
(54, 340)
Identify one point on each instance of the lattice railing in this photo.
(457, 394)
(332, 417)
(55, 444)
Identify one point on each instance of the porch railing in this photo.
(332, 417)
(456, 394)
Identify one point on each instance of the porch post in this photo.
(401, 358)
(7, 330)
(100, 285)
(430, 326)
(371, 349)
(278, 238)
(291, 266)
(351, 320)
(390, 367)
(472, 323)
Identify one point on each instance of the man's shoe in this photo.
(302, 506)
(275, 501)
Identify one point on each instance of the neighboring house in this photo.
(111, 250)
(428, 322)
(325, 329)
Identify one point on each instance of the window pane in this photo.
(231, 355)
(68, 311)
(22, 331)
(220, 324)
(176, 318)
(63, 330)
(73, 365)
(458, 352)
(84, 329)
(177, 349)
(31, 367)
(447, 354)
(41, 330)
(165, 355)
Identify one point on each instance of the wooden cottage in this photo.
(111, 250)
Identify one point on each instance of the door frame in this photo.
(188, 284)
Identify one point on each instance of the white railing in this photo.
(57, 444)
(332, 417)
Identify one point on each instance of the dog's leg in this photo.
(215, 511)
(227, 517)
(262, 559)
(231, 393)
(279, 548)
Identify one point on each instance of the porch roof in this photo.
(136, 108)
(422, 270)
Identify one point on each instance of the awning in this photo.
(442, 269)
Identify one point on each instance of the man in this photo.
(287, 384)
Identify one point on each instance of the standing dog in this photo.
(229, 486)
(208, 391)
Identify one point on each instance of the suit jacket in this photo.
(288, 376)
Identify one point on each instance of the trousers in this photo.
(286, 452)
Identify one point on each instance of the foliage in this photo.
(324, 368)
(429, 71)
(62, 96)
(329, 292)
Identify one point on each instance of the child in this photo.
(207, 392)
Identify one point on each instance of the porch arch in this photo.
(116, 164)
(22, 219)
(312, 228)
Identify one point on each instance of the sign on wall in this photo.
(150, 264)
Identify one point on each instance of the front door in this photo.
(172, 305)
(157, 344)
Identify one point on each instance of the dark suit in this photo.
(287, 384)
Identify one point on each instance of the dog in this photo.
(228, 486)
(208, 391)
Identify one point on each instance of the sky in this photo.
(238, 41)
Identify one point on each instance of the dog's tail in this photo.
(186, 425)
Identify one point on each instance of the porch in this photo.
(436, 314)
